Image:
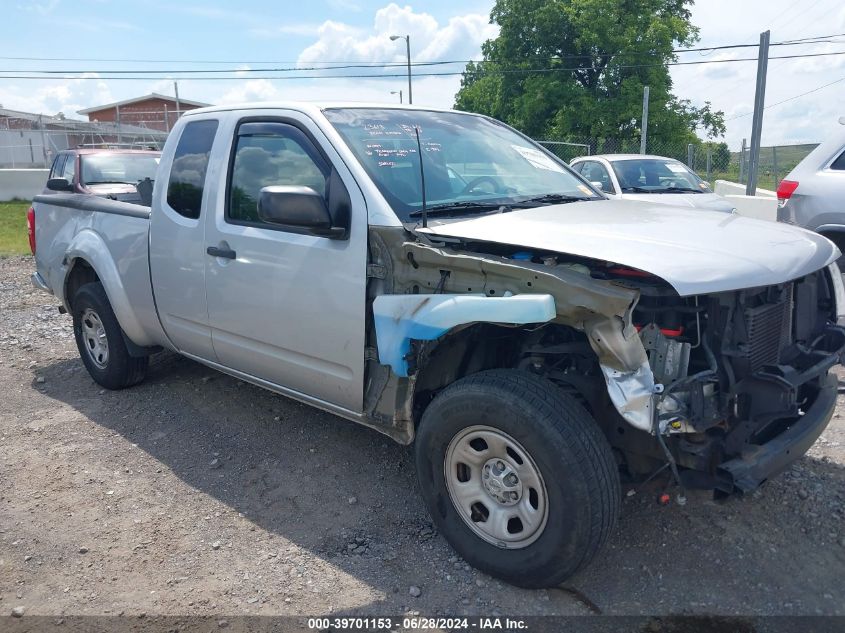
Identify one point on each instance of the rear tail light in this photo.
(785, 190)
(30, 228)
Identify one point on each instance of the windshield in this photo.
(98, 169)
(469, 161)
(657, 175)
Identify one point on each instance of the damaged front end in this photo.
(741, 378)
(731, 387)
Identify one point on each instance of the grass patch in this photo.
(13, 239)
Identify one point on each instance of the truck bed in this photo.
(112, 237)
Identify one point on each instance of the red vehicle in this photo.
(108, 173)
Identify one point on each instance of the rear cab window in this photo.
(839, 163)
(190, 165)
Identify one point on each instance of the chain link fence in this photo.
(33, 140)
(710, 160)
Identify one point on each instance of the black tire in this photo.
(568, 448)
(119, 369)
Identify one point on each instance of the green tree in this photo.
(721, 157)
(575, 69)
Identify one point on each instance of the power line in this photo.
(793, 98)
(240, 73)
(819, 39)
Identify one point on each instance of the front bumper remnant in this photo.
(757, 463)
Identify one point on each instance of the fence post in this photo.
(757, 122)
(775, 164)
(690, 152)
(119, 135)
(43, 139)
(709, 162)
(742, 162)
(644, 133)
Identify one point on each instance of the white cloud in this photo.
(460, 38)
(730, 87)
(61, 95)
(251, 90)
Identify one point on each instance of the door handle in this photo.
(226, 253)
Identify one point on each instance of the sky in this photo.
(166, 36)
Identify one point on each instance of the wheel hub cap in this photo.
(94, 338)
(496, 487)
(501, 482)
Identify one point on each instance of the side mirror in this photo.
(596, 184)
(59, 184)
(298, 210)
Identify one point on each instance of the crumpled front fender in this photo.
(624, 365)
(401, 318)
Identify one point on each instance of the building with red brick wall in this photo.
(154, 111)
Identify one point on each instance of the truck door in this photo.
(285, 307)
(177, 241)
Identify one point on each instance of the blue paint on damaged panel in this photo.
(402, 318)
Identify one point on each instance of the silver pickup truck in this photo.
(439, 277)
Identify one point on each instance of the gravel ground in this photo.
(194, 493)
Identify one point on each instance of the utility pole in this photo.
(644, 133)
(178, 105)
(407, 39)
(757, 123)
(408, 48)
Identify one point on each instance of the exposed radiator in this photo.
(769, 329)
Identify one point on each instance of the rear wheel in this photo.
(100, 340)
(517, 476)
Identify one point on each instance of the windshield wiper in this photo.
(108, 182)
(681, 190)
(465, 207)
(553, 198)
(637, 190)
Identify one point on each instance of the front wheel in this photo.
(100, 340)
(517, 476)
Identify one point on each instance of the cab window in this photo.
(58, 166)
(267, 154)
(593, 171)
(69, 168)
(190, 164)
